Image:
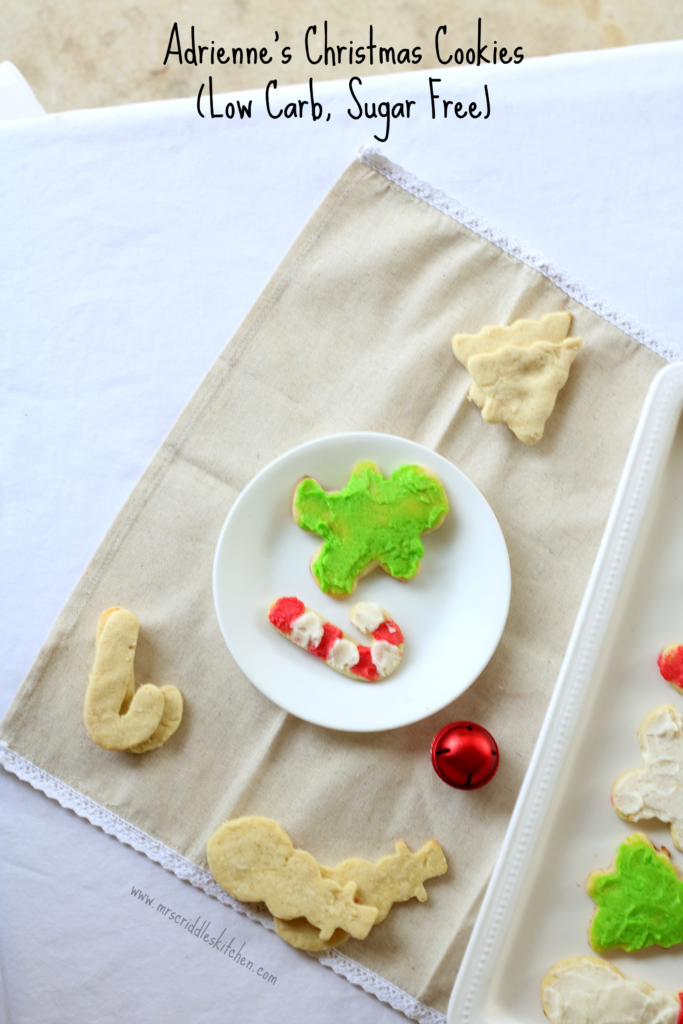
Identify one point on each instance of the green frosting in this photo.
(371, 520)
(640, 900)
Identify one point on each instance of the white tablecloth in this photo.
(133, 240)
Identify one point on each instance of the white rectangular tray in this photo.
(536, 910)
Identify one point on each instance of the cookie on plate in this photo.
(670, 663)
(314, 634)
(372, 521)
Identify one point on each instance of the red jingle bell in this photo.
(465, 755)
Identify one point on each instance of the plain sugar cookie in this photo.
(254, 860)
(393, 879)
(517, 371)
(116, 715)
(315, 907)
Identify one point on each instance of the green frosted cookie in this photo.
(372, 521)
(640, 899)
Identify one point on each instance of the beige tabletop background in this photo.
(80, 53)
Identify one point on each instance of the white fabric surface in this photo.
(17, 99)
(134, 240)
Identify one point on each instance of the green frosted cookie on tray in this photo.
(372, 521)
(640, 899)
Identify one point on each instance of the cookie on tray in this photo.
(656, 791)
(640, 899)
(586, 990)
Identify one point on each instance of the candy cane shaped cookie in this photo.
(116, 715)
(313, 633)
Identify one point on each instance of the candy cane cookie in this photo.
(313, 633)
(585, 990)
(116, 715)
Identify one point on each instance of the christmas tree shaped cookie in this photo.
(640, 899)
(518, 370)
(372, 521)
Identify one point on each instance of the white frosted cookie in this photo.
(517, 371)
(585, 990)
(656, 791)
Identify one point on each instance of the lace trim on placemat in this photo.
(373, 158)
(379, 987)
(115, 826)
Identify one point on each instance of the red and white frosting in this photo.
(307, 629)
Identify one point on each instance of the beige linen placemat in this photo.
(352, 333)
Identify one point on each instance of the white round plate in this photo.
(452, 613)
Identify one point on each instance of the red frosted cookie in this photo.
(670, 663)
(314, 634)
